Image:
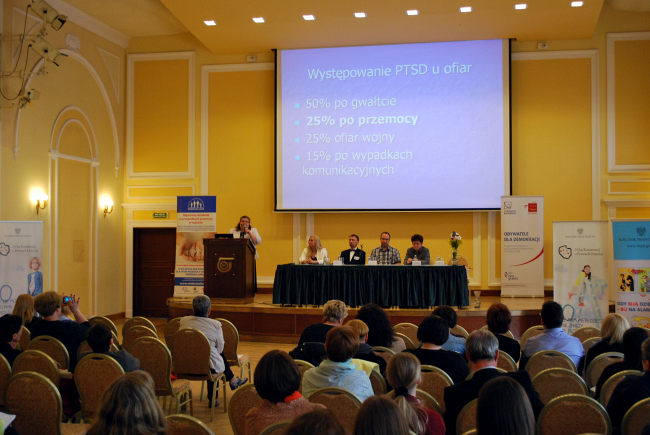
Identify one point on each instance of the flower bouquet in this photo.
(455, 241)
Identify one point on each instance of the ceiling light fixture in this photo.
(258, 20)
(210, 23)
(309, 17)
(466, 9)
(521, 6)
(360, 14)
(412, 12)
(577, 4)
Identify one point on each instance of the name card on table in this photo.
(440, 263)
(416, 263)
(337, 263)
(372, 262)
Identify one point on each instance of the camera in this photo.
(66, 299)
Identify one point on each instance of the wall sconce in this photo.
(107, 205)
(41, 201)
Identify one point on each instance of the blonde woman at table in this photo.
(245, 231)
(314, 252)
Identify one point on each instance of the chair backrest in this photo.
(344, 404)
(105, 320)
(5, 374)
(244, 399)
(191, 353)
(231, 339)
(384, 352)
(36, 402)
(505, 362)
(180, 424)
(378, 383)
(589, 343)
(85, 348)
(434, 382)
(530, 332)
(429, 401)
(93, 375)
(303, 366)
(636, 418)
(171, 328)
(39, 362)
(410, 344)
(552, 383)
(598, 364)
(408, 329)
(573, 414)
(466, 420)
(462, 260)
(156, 360)
(52, 347)
(471, 374)
(507, 334)
(611, 383)
(459, 330)
(137, 321)
(549, 359)
(137, 332)
(277, 428)
(25, 338)
(586, 332)
(470, 432)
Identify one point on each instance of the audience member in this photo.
(633, 339)
(504, 409)
(498, 322)
(433, 333)
(404, 376)
(129, 407)
(277, 379)
(482, 353)
(455, 343)
(365, 351)
(334, 313)
(25, 309)
(71, 334)
(318, 422)
(100, 340)
(341, 344)
(380, 416)
(11, 328)
(202, 305)
(646, 429)
(380, 330)
(630, 390)
(553, 337)
(612, 329)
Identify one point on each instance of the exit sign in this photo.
(161, 215)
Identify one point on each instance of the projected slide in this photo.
(394, 127)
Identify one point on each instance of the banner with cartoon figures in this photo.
(631, 241)
(21, 262)
(522, 246)
(196, 219)
(581, 272)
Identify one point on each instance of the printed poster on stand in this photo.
(21, 262)
(581, 272)
(631, 241)
(196, 219)
(522, 246)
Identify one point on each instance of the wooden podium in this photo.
(229, 270)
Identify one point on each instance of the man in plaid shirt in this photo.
(386, 254)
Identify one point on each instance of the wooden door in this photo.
(153, 271)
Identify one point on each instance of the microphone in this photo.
(242, 234)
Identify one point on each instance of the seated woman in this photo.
(380, 330)
(611, 330)
(433, 333)
(314, 252)
(404, 376)
(341, 344)
(633, 338)
(277, 379)
(498, 322)
(455, 343)
(318, 422)
(11, 328)
(365, 351)
(25, 309)
(334, 313)
(503, 408)
(380, 416)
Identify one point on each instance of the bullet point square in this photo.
(297, 106)
(297, 157)
(297, 140)
(297, 122)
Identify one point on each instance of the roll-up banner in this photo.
(631, 241)
(581, 272)
(196, 219)
(522, 246)
(21, 262)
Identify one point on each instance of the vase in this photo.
(454, 260)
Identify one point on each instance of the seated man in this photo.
(100, 340)
(385, 254)
(417, 252)
(630, 390)
(365, 352)
(455, 343)
(309, 349)
(212, 330)
(341, 344)
(353, 255)
(553, 337)
(482, 353)
(11, 328)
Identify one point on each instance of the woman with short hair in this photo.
(334, 313)
(380, 416)
(611, 330)
(503, 408)
(318, 422)
(498, 322)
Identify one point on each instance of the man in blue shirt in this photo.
(553, 337)
(455, 343)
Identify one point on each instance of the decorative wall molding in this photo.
(129, 196)
(613, 204)
(611, 182)
(113, 73)
(476, 250)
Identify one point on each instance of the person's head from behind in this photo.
(633, 339)
(99, 338)
(403, 373)
(341, 343)
(433, 329)
(645, 352)
(361, 328)
(201, 305)
(613, 327)
(129, 406)
(317, 422)
(381, 331)
(552, 315)
(334, 311)
(24, 307)
(482, 346)
(47, 303)
(11, 328)
(379, 415)
(447, 313)
(503, 408)
(276, 376)
(498, 318)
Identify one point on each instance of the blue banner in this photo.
(631, 240)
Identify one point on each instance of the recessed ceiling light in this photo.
(412, 12)
(521, 6)
(210, 23)
(258, 20)
(466, 9)
(577, 4)
(360, 14)
(309, 17)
